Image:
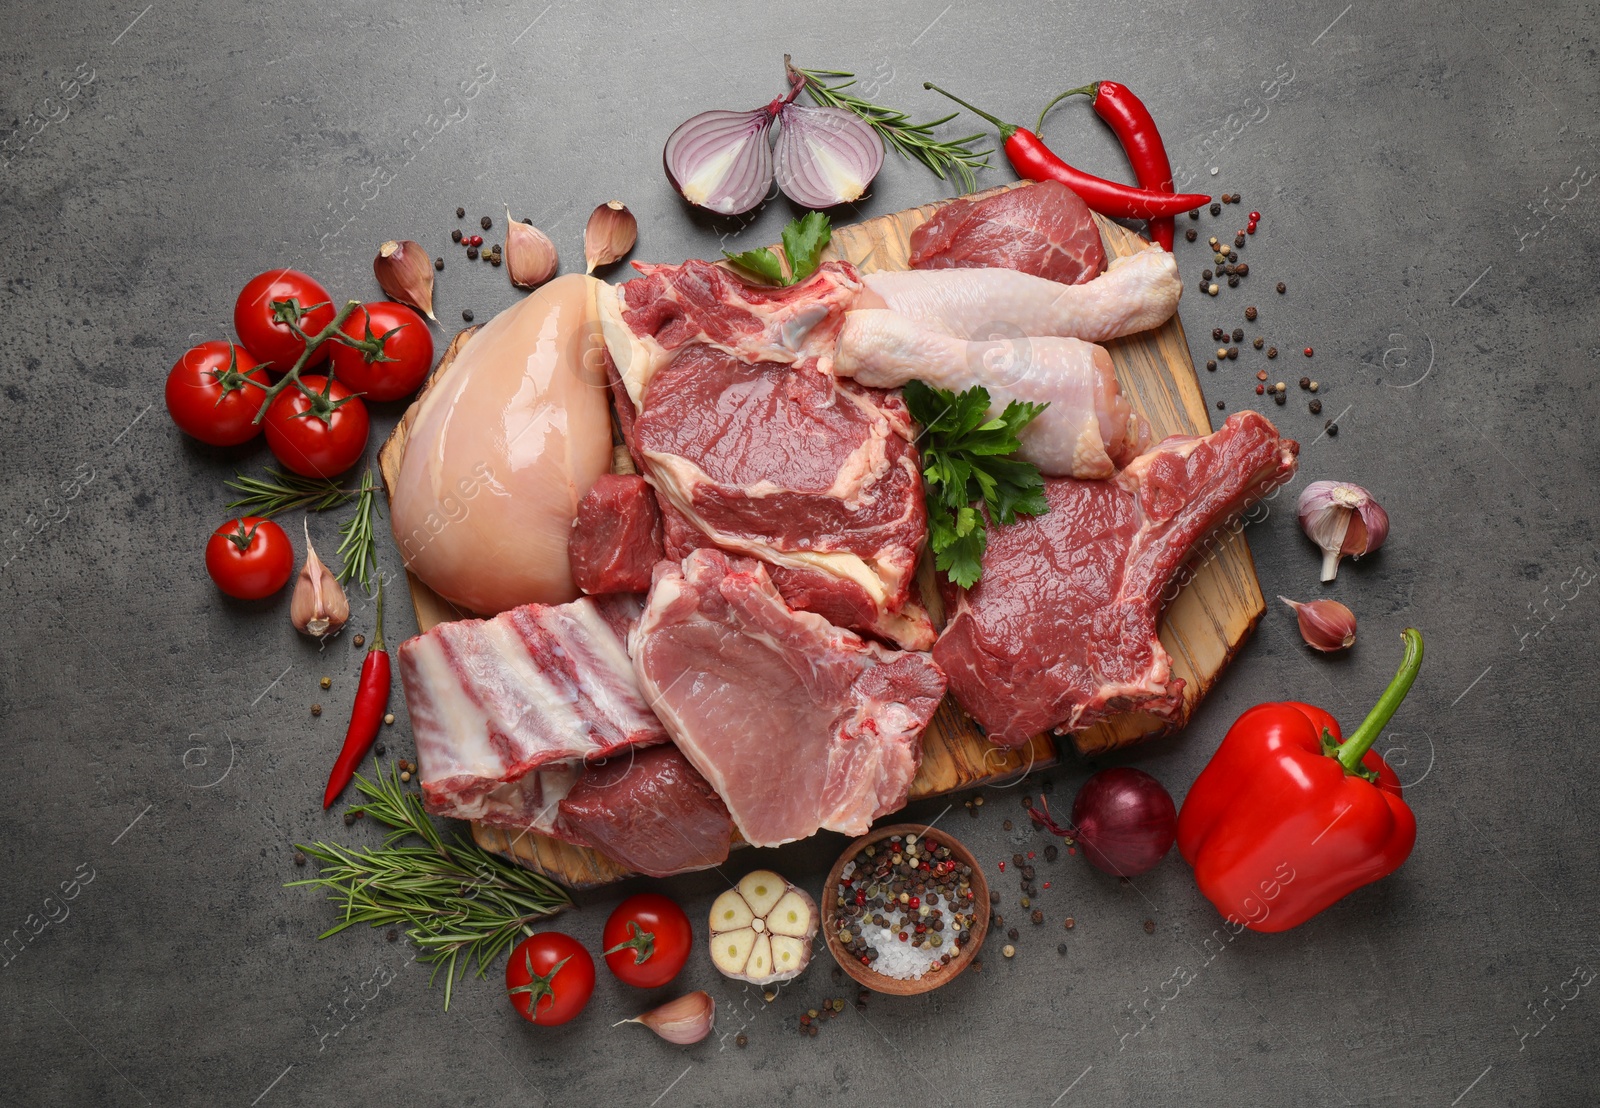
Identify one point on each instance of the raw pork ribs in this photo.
(1061, 631)
(797, 724)
(727, 403)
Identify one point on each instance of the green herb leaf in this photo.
(804, 240)
(281, 492)
(358, 541)
(967, 471)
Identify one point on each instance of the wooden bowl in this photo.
(893, 986)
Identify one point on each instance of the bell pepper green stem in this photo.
(1353, 749)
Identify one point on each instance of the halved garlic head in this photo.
(761, 930)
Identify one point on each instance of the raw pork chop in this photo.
(1088, 430)
(616, 536)
(1135, 294)
(1061, 630)
(491, 700)
(1043, 229)
(797, 724)
(744, 434)
(650, 810)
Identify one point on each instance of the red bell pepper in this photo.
(1288, 817)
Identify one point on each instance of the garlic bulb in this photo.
(1326, 625)
(405, 273)
(761, 930)
(683, 1021)
(319, 606)
(1342, 519)
(611, 233)
(530, 255)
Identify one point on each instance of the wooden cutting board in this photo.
(1211, 617)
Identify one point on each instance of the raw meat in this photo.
(616, 537)
(648, 320)
(500, 453)
(492, 700)
(650, 810)
(797, 724)
(777, 459)
(1061, 631)
(1087, 431)
(1042, 229)
(1135, 294)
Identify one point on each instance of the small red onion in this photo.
(720, 160)
(1124, 819)
(825, 156)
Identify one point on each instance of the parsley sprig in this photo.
(967, 473)
(804, 240)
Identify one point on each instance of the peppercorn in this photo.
(1212, 290)
(1013, 933)
(1230, 269)
(405, 775)
(1305, 382)
(1282, 288)
(495, 261)
(1149, 927)
(461, 213)
(1008, 950)
(1233, 353)
(1280, 399)
(1257, 341)
(388, 717)
(1219, 257)
(1331, 427)
(1233, 282)
(1314, 386)
(1260, 389)
(1244, 269)
(741, 1040)
(1316, 407)
(1250, 313)
(1215, 245)
(1216, 209)
(326, 682)
(316, 709)
(1238, 334)
(1233, 255)
(1238, 240)
(1038, 916)
(475, 240)
(349, 819)
(1189, 235)
(1051, 853)
(1005, 824)
(299, 858)
(1221, 405)
(466, 314)
(1261, 375)
(472, 253)
(485, 223)
(438, 263)
(1061, 948)
(455, 236)
(380, 750)
(994, 897)
(1217, 333)
(361, 640)
(1272, 351)
(1194, 213)
(1211, 364)
(1207, 274)
(1222, 352)
(1069, 923)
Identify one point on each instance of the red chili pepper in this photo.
(1288, 818)
(372, 700)
(1136, 129)
(1032, 159)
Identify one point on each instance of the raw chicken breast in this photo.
(1135, 293)
(501, 452)
(1088, 431)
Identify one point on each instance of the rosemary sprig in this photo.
(284, 492)
(461, 904)
(358, 544)
(910, 140)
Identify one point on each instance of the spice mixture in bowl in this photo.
(906, 909)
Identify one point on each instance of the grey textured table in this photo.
(1415, 167)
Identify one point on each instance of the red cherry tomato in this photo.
(647, 940)
(317, 436)
(214, 392)
(549, 978)
(261, 330)
(406, 341)
(249, 558)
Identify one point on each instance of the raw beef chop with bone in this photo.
(797, 724)
(1061, 630)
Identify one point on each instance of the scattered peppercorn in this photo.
(438, 263)
(1009, 951)
(1216, 209)
(349, 819)
(388, 717)
(1260, 389)
(1212, 289)
(1331, 427)
(1305, 382)
(1244, 269)
(361, 640)
(1233, 353)
(466, 314)
(485, 223)
(380, 750)
(1272, 351)
(1282, 288)
(1217, 333)
(326, 682)
(1261, 375)
(455, 236)
(1314, 386)
(1316, 407)
(741, 1040)
(1221, 405)
(476, 240)
(299, 858)
(1189, 235)
(472, 253)
(495, 261)
(1308, 351)
(1233, 281)
(1211, 364)
(1257, 341)
(1149, 927)
(1069, 923)
(1238, 334)
(405, 775)
(1061, 948)
(1238, 240)
(1006, 824)
(977, 802)
(1037, 917)
(1250, 313)
(1013, 933)
(316, 709)
(1279, 399)
(1206, 274)
(1194, 213)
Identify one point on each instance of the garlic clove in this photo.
(1343, 520)
(530, 255)
(686, 1020)
(319, 607)
(611, 233)
(405, 273)
(1326, 625)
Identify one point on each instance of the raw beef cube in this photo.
(1043, 229)
(616, 536)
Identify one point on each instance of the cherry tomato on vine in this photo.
(320, 435)
(249, 558)
(549, 978)
(263, 328)
(647, 940)
(214, 392)
(407, 350)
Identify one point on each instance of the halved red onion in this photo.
(825, 156)
(721, 160)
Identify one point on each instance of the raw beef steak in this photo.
(492, 700)
(797, 724)
(1042, 229)
(650, 810)
(1061, 631)
(616, 536)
